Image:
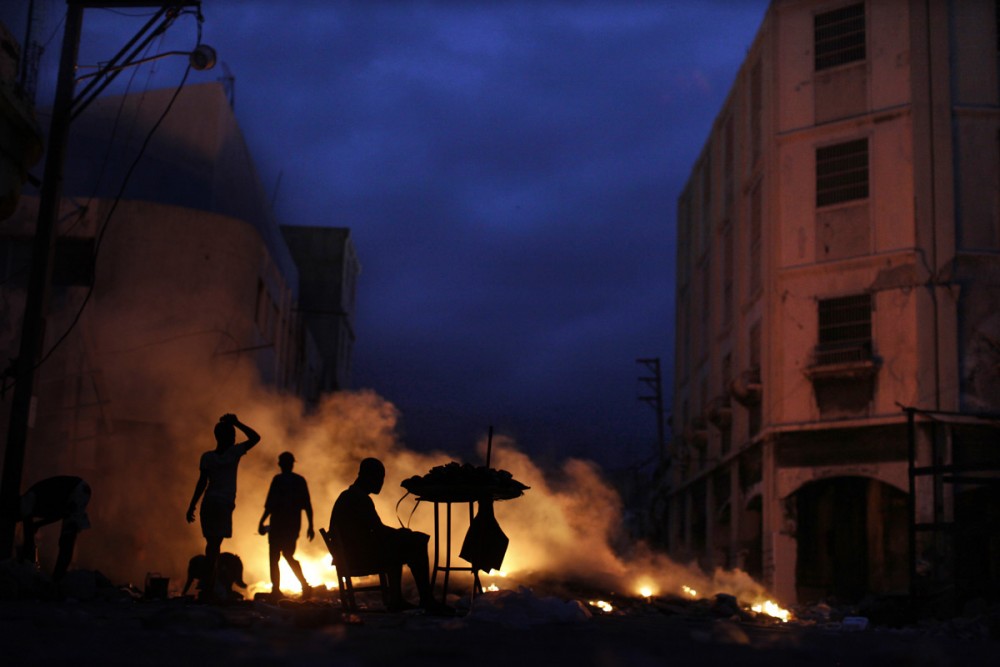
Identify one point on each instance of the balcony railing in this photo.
(828, 354)
(843, 360)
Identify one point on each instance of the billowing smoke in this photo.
(561, 529)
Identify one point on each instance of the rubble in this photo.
(522, 608)
(521, 624)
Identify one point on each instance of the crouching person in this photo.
(61, 498)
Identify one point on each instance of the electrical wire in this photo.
(100, 237)
(124, 13)
(107, 220)
(107, 153)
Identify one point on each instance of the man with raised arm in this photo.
(217, 480)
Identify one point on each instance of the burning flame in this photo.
(646, 591)
(602, 605)
(771, 609)
(690, 591)
(318, 572)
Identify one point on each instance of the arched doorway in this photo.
(851, 539)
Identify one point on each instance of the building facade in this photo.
(328, 278)
(838, 312)
(20, 135)
(175, 298)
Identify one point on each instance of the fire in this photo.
(690, 591)
(317, 570)
(646, 591)
(602, 605)
(771, 609)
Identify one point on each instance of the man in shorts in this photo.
(217, 480)
(287, 498)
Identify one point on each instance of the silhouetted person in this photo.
(287, 498)
(365, 539)
(217, 481)
(62, 498)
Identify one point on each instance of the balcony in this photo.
(843, 361)
(843, 377)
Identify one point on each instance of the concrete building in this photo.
(329, 269)
(174, 294)
(20, 136)
(837, 279)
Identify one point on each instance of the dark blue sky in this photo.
(509, 171)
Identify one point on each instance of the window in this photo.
(727, 274)
(725, 432)
(845, 330)
(756, 111)
(706, 296)
(842, 172)
(684, 223)
(755, 412)
(728, 150)
(839, 36)
(756, 235)
(706, 204)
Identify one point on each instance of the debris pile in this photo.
(522, 609)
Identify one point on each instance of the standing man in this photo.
(287, 498)
(217, 480)
(61, 498)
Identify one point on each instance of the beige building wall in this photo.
(790, 457)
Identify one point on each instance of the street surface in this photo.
(124, 631)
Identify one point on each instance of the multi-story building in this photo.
(20, 135)
(328, 275)
(175, 298)
(838, 266)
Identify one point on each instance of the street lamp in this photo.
(202, 58)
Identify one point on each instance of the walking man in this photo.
(217, 480)
(287, 498)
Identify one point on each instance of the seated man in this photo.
(365, 539)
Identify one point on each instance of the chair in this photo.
(346, 572)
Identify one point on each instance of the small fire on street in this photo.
(320, 573)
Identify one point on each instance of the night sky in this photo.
(509, 171)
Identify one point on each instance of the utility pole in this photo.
(43, 248)
(654, 397)
(39, 282)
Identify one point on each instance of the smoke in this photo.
(562, 529)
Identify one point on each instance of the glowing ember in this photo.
(771, 609)
(690, 591)
(492, 588)
(646, 592)
(602, 605)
